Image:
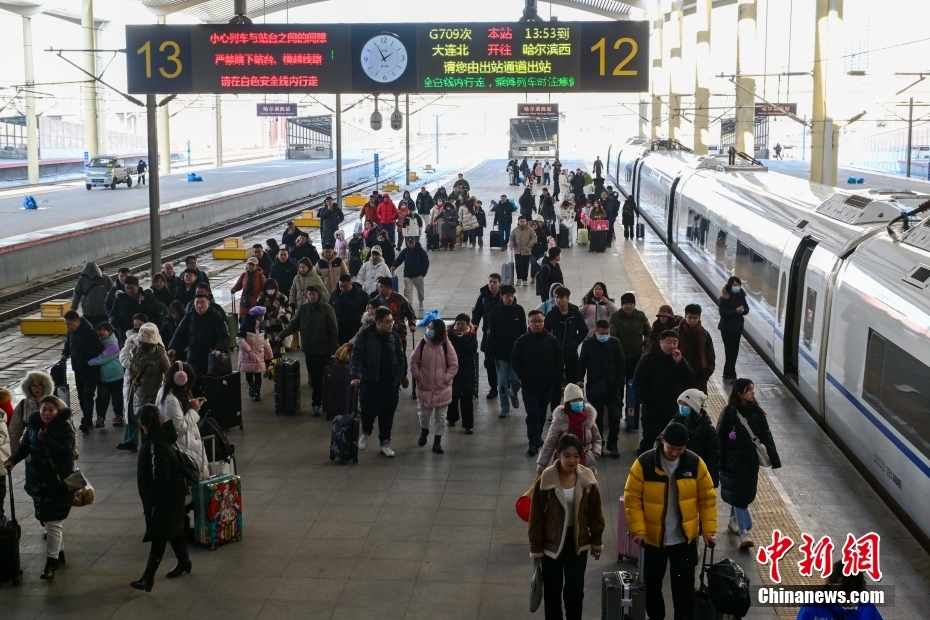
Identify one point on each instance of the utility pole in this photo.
(151, 111)
(407, 127)
(339, 149)
(910, 133)
(437, 139)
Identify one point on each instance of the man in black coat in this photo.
(507, 323)
(289, 238)
(657, 385)
(503, 218)
(283, 272)
(416, 265)
(566, 323)
(602, 360)
(121, 275)
(424, 202)
(305, 249)
(130, 302)
(488, 297)
(537, 362)
(549, 273)
(200, 332)
(349, 302)
(264, 261)
(331, 216)
(578, 184)
(82, 345)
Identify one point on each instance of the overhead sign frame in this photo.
(538, 109)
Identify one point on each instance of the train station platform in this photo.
(871, 178)
(435, 536)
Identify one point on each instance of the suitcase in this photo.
(432, 241)
(216, 444)
(507, 273)
(340, 397)
(287, 387)
(626, 548)
(495, 238)
(344, 442)
(623, 595)
(355, 265)
(10, 570)
(582, 236)
(59, 373)
(63, 392)
(232, 323)
(224, 399)
(640, 230)
(218, 511)
(599, 240)
(562, 239)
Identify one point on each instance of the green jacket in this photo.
(632, 331)
(319, 333)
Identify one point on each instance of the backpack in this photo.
(222, 449)
(190, 469)
(728, 588)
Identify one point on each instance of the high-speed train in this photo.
(838, 292)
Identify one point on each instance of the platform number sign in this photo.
(377, 167)
(612, 57)
(159, 59)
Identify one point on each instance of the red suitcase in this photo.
(626, 548)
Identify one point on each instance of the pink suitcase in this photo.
(626, 548)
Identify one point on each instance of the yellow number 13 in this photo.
(601, 47)
(147, 50)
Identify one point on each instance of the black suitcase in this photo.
(562, 240)
(598, 240)
(59, 373)
(10, 570)
(287, 387)
(224, 399)
(344, 441)
(640, 230)
(432, 241)
(495, 239)
(340, 397)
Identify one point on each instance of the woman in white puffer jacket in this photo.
(176, 403)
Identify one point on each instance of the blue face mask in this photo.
(736, 288)
(430, 333)
(684, 410)
(577, 406)
(603, 337)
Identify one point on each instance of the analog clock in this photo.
(384, 58)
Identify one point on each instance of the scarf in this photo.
(140, 359)
(576, 426)
(248, 287)
(689, 337)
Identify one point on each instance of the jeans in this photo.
(54, 538)
(391, 229)
(535, 402)
(378, 400)
(466, 403)
(611, 405)
(86, 382)
(2, 492)
(107, 392)
(534, 265)
(683, 560)
(505, 234)
(570, 567)
(545, 178)
(140, 179)
(316, 364)
(433, 418)
(131, 434)
(409, 284)
(523, 266)
(743, 518)
(571, 376)
(731, 350)
(508, 384)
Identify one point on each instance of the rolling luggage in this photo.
(216, 444)
(395, 284)
(10, 570)
(727, 588)
(287, 387)
(640, 230)
(507, 272)
(218, 511)
(224, 399)
(344, 441)
(232, 323)
(599, 240)
(623, 594)
(563, 237)
(626, 548)
(432, 240)
(340, 397)
(495, 238)
(582, 236)
(59, 373)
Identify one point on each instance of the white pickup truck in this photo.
(108, 171)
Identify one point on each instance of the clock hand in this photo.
(380, 52)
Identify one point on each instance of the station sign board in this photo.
(538, 109)
(277, 109)
(492, 57)
(777, 109)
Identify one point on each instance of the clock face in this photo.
(384, 58)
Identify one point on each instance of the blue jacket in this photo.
(865, 611)
(416, 261)
(110, 368)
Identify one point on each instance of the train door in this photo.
(634, 187)
(670, 210)
(796, 323)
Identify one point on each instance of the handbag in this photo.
(536, 587)
(342, 354)
(219, 364)
(524, 502)
(761, 451)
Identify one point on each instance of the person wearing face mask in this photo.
(733, 310)
(465, 385)
(434, 365)
(252, 284)
(657, 382)
(277, 312)
(602, 361)
(372, 271)
(573, 417)
(702, 436)
(36, 385)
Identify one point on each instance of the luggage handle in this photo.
(9, 475)
(704, 565)
(641, 566)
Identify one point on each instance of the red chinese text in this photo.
(302, 59)
(500, 49)
(861, 555)
(505, 33)
(775, 552)
(817, 556)
(267, 38)
(241, 60)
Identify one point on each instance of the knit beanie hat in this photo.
(572, 392)
(676, 435)
(694, 398)
(627, 298)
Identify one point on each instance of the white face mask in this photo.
(270, 291)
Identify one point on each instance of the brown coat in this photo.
(548, 526)
(258, 289)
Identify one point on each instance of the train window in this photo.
(784, 297)
(732, 244)
(743, 267)
(810, 313)
(896, 385)
(702, 232)
(770, 284)
(756, 272)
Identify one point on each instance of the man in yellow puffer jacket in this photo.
(668, 518)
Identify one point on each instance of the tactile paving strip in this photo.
(768, 511)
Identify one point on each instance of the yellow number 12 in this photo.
(601, 46)
(147, 50)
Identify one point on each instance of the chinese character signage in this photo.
(538, 109)
(389, 58)
(777, 109)
(857, 554)
(277, 109)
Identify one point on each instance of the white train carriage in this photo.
(839, 307)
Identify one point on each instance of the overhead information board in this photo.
(389, 58)
(538, 109)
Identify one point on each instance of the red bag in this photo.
(598, 225)
(525, 501)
